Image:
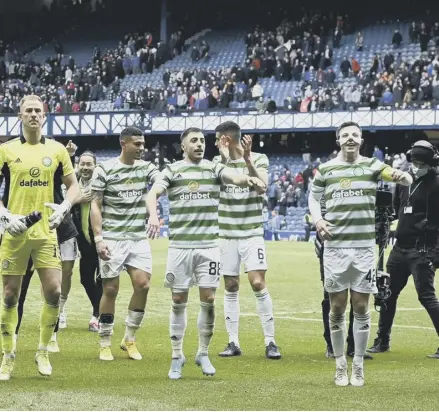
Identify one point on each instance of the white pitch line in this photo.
(320, 320)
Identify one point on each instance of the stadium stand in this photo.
(386, 65)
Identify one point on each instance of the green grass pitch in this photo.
(302, 380)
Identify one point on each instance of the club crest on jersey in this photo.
(193, 186)
(47, 161)
(170, 277)
(345, 183)
(140, 173)
(5, 264)
(358, 171)
(205, 174)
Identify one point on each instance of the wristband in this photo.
(98, 238)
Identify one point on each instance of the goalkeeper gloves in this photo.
(13, 224)
(60, 212)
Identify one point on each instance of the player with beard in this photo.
(193, 186)
(348, 184)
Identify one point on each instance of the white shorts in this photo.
(135, 253)
(352, 268)
(192, 267)
(250, 251)
(69, 250)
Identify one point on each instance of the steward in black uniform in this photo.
(417, 209)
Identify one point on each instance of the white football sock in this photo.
(133, 322)
(337, 325)
(177, 328)
(361, 335)
(206, 324)
(105, 332)
(231, 315)
(62, 303)
(264, 307)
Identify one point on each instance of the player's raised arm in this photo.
(389, 174)
(257, 168)
(223, 148)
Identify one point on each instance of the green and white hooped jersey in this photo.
(193, 192)
(124, 194)
(349, 191)
(240, 209)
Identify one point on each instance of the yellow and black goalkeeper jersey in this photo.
(29, 172)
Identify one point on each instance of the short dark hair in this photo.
(346, 124)
(188, 131)
(130, 131)
(232, 129)
(88, 153)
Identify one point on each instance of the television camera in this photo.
(383, 217)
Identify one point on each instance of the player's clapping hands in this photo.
(153, 228)
(223, 147)
(247, 143)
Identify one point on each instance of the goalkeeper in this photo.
(30, 165)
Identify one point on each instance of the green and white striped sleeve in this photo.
(164, 178)
(99, 179)
(152, 172)
(261, 162)
(218, 170)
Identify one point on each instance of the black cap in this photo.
(422, 154)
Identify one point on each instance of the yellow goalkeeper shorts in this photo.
(15, 254)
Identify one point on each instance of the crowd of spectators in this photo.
(304, 52)
(301, 51)
(66, 87)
